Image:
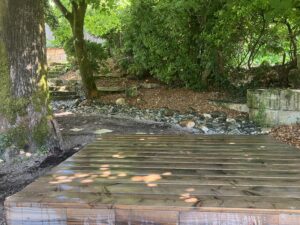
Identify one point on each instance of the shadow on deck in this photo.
(148, 179)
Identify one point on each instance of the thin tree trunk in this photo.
(24, 112)
(293, 40)
(86, 72)
(76, 19)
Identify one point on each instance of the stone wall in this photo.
(56, 55)
(271, 107)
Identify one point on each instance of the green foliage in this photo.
(167, 40)
(260, 117)
(5, 142)
(191, 43)
(195, 43)
(97, 53)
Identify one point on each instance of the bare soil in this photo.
(177, 99)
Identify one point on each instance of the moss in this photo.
(12, 107)
(260, 117)
(288, 94)
(41, 132)
(18, 135)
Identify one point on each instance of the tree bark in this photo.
(24, 114)
(76, 19)
(79, 11)
(293, 40)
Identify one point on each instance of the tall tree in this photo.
(24, 111)
(76, 18)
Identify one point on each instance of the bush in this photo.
(196, 43)
(167, 39)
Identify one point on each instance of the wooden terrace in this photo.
(167, 180)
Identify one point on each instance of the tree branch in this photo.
(63, 9)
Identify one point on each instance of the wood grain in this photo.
(166, 180)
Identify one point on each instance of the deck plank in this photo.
(166, 180)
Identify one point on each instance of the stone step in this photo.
(110, 75)
(111, 89)
(63, 95)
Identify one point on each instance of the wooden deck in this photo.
(169, 180)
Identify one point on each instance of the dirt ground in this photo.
(77, 132)
(177, 99)
(288, 134)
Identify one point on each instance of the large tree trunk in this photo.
(77, 23)
(24, 113)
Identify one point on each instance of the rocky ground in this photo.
(216, 122)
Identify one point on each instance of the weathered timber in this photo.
(167, 180)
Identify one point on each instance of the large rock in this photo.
(188, 124)
(121, 101)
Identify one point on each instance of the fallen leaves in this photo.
(289, 134)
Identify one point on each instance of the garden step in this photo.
(110, 75)
(111, 89)
(63, 95)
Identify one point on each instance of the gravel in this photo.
(213, 123)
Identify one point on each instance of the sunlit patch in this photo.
(53, 182)
(137, 178)
(61, 177)
(142, 139)
(152, 185)
(106, 174)
(118, 156)
(152, 177)
(147, 179)
(185, 195)
(87, 181)
(63, 114)
(76, 129)
(122, 174)
(102, 131)
(191, 200)
(232, 143)
(29, 67)
(167, 174)
(61, 181)
(188, 198)
(105, 168)
(28, 154)
(190, 189)
(81, 175)
(112, 178)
